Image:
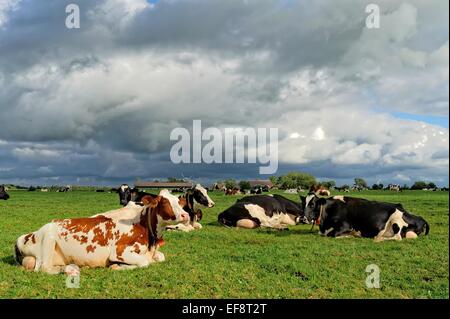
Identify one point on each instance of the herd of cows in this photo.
(130, 236)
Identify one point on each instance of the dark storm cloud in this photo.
(97, 104)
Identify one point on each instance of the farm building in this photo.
(260, 182)
(171, 185)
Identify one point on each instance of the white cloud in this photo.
(112, 92)
(5, 7)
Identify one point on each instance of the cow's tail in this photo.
(18, 257)
(427, 228)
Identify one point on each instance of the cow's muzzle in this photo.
(184, 217)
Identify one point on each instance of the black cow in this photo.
(3, 194)
(341, 215)
(262, 211)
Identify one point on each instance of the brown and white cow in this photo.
(100, 241)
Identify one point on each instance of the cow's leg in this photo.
(48, 251)
(339, 229)
(391, 232)
(122, 267)
(158, 256)
(181, 227)
(131, 260)
(197, 225)
(246, 223)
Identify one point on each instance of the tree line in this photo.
(301, 180)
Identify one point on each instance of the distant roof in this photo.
(143, 184)
(261, 182)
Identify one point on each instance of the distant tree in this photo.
(174, 180)
(431, 185)
(419, 185)
(230, 183)
(296, 180)
(405, 187)
(375, 187)
(345, 186)
(244, 185)
(360, 183)
(328, 184)
(275, 180)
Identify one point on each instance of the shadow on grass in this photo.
(9, 260)
(271, 231)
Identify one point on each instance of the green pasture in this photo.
(219, 262)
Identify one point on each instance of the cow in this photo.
(3, 194)
(319, 190)
(191, 202)
(100, 241)
(271, 211)
(232, 191)
(341, 215)
(394, 187)
(256, 190)
(124, 192)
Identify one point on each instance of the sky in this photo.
(96, 105)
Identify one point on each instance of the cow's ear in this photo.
(150, 201)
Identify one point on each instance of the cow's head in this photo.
(311, 205)
(3, 194)
(124, 192)
(180, 214)
(201, 196)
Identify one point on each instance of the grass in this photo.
(219, 262)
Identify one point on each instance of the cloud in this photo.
(99, 103)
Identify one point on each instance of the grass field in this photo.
(218, 262)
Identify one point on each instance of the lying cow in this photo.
(3, 194)
(341, 215)
(100, 241)
(262, 211)
(191, 202)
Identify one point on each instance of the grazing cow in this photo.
(319, 190)
(233, 191)
(100, 241)
(65, 189)
(340, 215)
(3, 194)
(394, 187)
(256, 190)
(262, 211)
(194, 197)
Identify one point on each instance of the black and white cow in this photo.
(342, 215)
(262, 211)
(124, 192)
(192, 201)
(3, 194)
